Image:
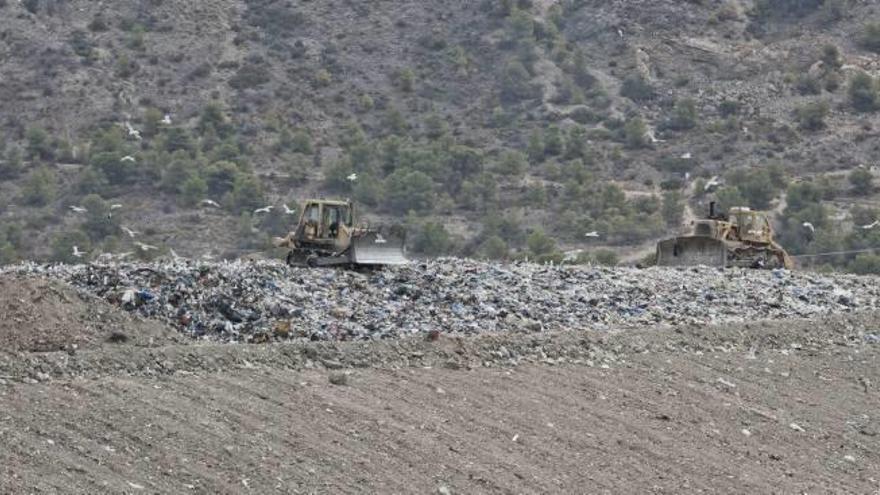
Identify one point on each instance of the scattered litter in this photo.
(262, 301)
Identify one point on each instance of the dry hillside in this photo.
(493, 128)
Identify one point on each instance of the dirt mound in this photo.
(38, 315)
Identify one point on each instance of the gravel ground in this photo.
(265, 301)
(764, 407)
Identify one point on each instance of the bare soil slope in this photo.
(782, 407)
(37, 315)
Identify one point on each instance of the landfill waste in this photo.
(263, 301)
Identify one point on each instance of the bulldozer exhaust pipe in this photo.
(711, 209)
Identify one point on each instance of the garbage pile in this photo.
(258, 301)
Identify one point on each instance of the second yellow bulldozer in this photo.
(740, 238)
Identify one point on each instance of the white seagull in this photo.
(132, 132)
(77, 253)
(209, 202)
(265, 209)
(287, 210)
(592, 234)
(808, 225)
(686, 156)
(115, 206)
(174, 255)
(167, 119)
(131, 233)
(352, 177)
(122, 256)
(78, 209)
(127, 158)
(713, 182)
(871, 225)
(145, 247)
(380, 239)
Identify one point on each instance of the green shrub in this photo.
(512, 164)
(98, 224)
(126, 67)
(91, 181)
(432, 239)
(493, 248)
(250, 75)
(728, 107)
(40, 188)
(831, 57)
(410, 191)
(808, 85)
(862, 181)
(863, 92)
(728, 197)
(636, 133)
(673, 208)
(637, 88)
(81, 44)
(540, 244)
(811, 116)
(406, 80)
(554, 144)
(516, 83)
(193, 190)
(39, 145)
(865, 264)
(684, 115)
(247, 192)
(11, 166)
(870, 37)
(535, 148)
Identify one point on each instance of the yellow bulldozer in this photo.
(740, 238)
(327, 235)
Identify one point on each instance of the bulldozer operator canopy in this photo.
(751, 225)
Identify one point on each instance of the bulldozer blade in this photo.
(375, 249)
(691, 251)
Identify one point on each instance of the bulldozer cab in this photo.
(326, 221)
(751, 226)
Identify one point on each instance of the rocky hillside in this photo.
(493, 128)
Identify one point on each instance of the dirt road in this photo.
(784, 407)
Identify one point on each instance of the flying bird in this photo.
(78, 209)
(145, 247)
(208, 256)
(122, 256)
(592, 234)
(132, 132)
(380, 239)
(77, 253)
(287, 210)
(686, 156)
(115, 206)
(167, 119)
(209, 202)
(174, 255)
(352, 177)
(265, 209)
(131, 233)
(713, 183)
(808, 225)
(127, 158)
(871, 225)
